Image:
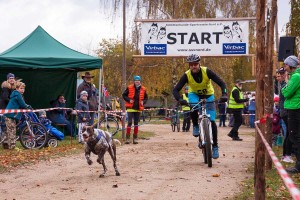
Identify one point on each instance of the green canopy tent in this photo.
(47, 67)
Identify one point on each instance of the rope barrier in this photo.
(294, 191)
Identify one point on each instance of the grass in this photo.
(10, 159)
(275, 187)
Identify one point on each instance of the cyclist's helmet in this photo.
(193, 58)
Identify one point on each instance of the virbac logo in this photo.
(234, 48)
(155, 49)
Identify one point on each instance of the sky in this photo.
(78, 24)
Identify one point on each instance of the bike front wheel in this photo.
(207, 153)
(33, 136)
(109, 124)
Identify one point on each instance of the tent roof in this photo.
(41, 50)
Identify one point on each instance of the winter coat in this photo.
(92, 92)
(291, 91)
(6, 90)
(16, 102)
(57, 116)
(81, 105)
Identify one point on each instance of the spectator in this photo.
(16, 101)
(186, 111)
(6, 89)
(52, 130)
(236, 105)
(287, 145)
(59, 116)
(115, 104)
(83, 117)
(251, 109)
(135, 97)
(222, 106)
(90, 88)
(291, 92)
(275, 121)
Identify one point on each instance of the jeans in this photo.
(251, 118)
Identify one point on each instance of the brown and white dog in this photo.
(98, 142)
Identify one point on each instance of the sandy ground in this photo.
(167, 166)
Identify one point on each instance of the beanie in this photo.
(291, 61)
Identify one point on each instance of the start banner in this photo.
(206, 38)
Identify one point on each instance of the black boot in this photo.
(135, 139)
(127, 139)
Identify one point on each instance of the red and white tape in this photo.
(294, 191)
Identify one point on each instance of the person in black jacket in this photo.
(235, 107)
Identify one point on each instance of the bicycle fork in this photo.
(202, 137)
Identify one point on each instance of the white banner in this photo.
(205, 38)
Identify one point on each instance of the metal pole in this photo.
(100, 94)
(124, 69)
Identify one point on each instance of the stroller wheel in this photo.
(52, 143)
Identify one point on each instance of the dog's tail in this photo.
(116, 141)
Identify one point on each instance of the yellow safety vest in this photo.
(184, 107)
(203, 88)
(232, 103)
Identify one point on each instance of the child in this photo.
(83, 117)
(275, 120)
(16, 101)
(52, 130)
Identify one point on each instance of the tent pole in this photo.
(100, 94)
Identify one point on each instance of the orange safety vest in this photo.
(131, 93)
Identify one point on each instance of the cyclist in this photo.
(199, 80)
(186, 114)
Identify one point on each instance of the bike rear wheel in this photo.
(207, 153)
(33, 136)
(109, 124)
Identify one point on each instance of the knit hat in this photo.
(84, 93)
(291, 61)
(281, 70)
(10, 75)
(137, 78)
(42, 112)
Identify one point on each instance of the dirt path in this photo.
(168, 166)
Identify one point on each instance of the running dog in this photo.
(98, 142)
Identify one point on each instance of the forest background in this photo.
(160, 75)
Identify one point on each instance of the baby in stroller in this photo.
(53, 133)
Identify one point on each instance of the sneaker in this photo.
(292, 170)
(288, 159)
(196, 131)
(215, 152)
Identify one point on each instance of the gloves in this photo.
(183, 102)
(224, 98)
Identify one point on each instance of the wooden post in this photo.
(269, 93)
(259, 168)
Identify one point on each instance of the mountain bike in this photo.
(175, 120)
(205, 138)
(145, 116)
(109, 123)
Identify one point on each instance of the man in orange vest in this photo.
(135, 97)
